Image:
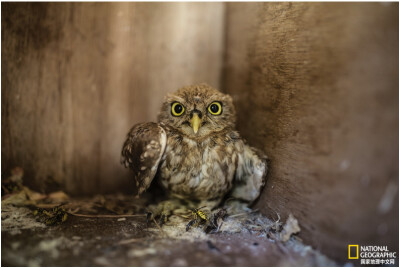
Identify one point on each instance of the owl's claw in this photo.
(162, 220)
(149, 217)
(162, 211)
(162, 217)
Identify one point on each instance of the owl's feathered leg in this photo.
(250, 173)
(163, 210)
(236, 206)
(210, 204)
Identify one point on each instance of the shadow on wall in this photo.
(315, 86)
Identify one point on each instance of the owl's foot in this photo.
(209, 204)
(235, 206)
(162, 211)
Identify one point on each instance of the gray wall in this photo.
(316, 86)
(76, 77)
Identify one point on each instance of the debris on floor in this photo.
(112, 230)
(57, 215)
(291, 227)
(246, 240)
(14, 219)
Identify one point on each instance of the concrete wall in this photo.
(316, 86)
(76, 77)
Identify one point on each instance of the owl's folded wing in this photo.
(250, 174)
(142, 152)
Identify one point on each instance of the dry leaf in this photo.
(58, 196)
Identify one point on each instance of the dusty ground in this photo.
(245, 240)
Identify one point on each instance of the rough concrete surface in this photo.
(130, 241)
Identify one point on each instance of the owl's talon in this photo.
(149, 217)
(162, 220)
(162, 211)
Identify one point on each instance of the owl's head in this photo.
(198, 111)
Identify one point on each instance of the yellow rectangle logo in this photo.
(353, 257)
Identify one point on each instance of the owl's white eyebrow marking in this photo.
(197, 98)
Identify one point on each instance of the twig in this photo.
(45, 206)
(129, 241)
(105, 216)
(182, 216)
(242, 214)
(238, 215)
(158, 226)
(279, 217)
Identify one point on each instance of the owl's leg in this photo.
(250, 174)
(210, 204)
(163, 210)
(236, 206)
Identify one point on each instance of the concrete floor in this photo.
(131, 241)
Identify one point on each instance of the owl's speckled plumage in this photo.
(206, 165)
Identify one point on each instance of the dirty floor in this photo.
(243, 240)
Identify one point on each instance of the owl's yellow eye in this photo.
(177, 109)
(215, 108)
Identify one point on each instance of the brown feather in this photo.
(142, 152)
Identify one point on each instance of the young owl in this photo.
(194, 150)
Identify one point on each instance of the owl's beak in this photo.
(195, 122)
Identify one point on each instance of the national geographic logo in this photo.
(371, 255)
(353, 252)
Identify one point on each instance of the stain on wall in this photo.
(317, 89)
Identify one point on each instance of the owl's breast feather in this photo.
(198, 171)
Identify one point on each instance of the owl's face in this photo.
(198, 111)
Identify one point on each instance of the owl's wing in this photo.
(142, 152)
(250, 173)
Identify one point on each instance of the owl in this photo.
(194, 151)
